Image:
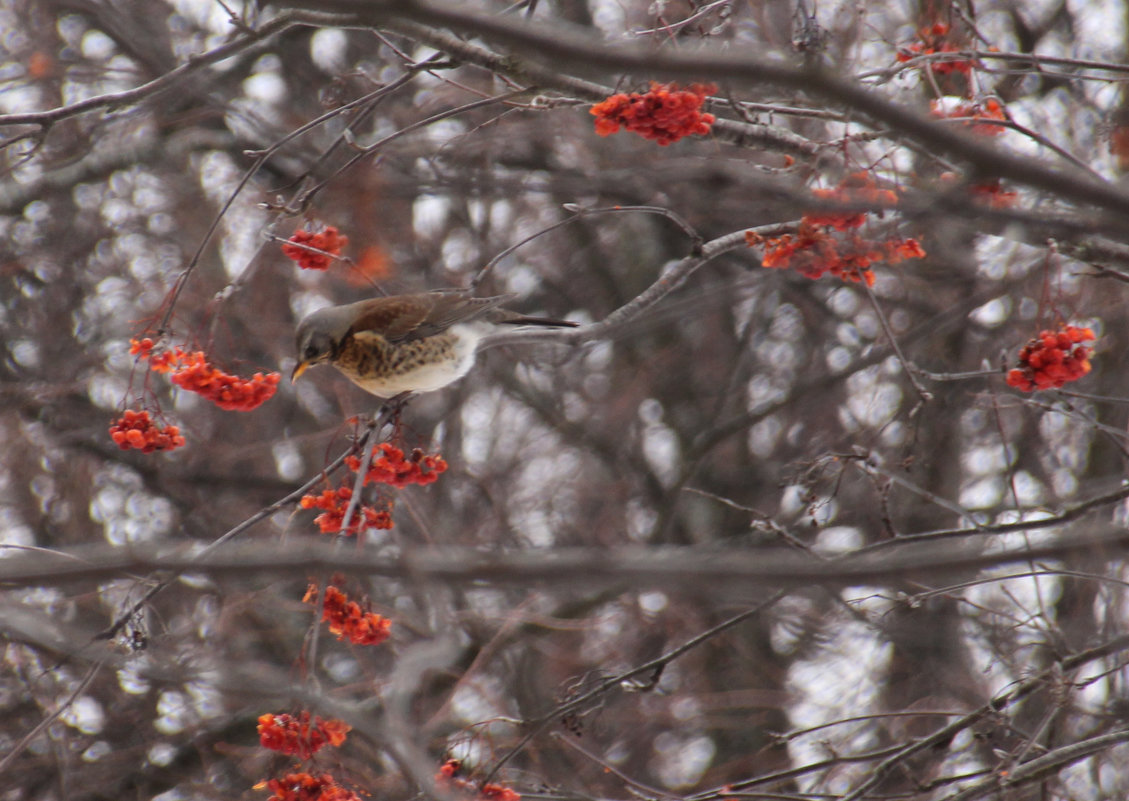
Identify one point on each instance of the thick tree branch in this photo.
(563, 45)
(701, 570)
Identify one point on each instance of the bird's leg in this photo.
(390, 411)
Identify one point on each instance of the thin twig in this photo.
(996, 704)
(922, 393)
(539, 724)
(365, 151)
(231, 534)
(18, 748)
(170, 79)
(579, 212)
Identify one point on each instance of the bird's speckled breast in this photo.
(422, 365)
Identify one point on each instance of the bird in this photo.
(400, 344)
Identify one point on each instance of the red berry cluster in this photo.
(335, 502)
(390, 467)
(447, 771)
(135, 430)
(856, 189)
(448, 779)
(227, 391)
(970, 112)
(347, 619)
(994, 194)
(815, 249)
(991, 191)
(306, 787)
(665, 114)
(142, 348)
(292, 734)
(1052, 359)
(933, 39)
(304, 246)
(813, 252)
(498, 792)
(160, 362)
(192, 371)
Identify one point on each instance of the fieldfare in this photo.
(404, 343)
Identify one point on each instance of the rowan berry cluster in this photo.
(304, 246)
(142, 348)
(991, 192)
(856, 189)
(448, 778)
(980, 116)
(348, 619)
(335, 502)
(391, 468)
(665, 114)
(161, 362)
(135, 429)
(934, 39)
(498, 792)
(297, 735)
(192, 371)
(814, 252)
(829, 242)
(227, 391)
(1052, 359)
(307, 787)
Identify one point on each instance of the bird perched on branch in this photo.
(404, 343)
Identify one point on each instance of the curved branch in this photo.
(563, 44)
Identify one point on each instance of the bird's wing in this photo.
(404, 318)
(451, 309)
(393, 318)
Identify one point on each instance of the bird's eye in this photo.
(311, 352)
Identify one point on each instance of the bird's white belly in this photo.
(430, 375)
(422, 379)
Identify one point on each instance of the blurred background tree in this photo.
(898, 576)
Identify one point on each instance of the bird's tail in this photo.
(545, 321)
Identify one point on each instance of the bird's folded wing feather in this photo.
(410, 317)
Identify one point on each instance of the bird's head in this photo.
(319, 336)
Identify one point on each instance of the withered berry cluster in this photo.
(348, 619)
(304, 245)
(829, 242)
(1052, 359)
(665, 114)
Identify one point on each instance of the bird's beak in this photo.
(299, 368)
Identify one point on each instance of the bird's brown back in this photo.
(404, 318)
